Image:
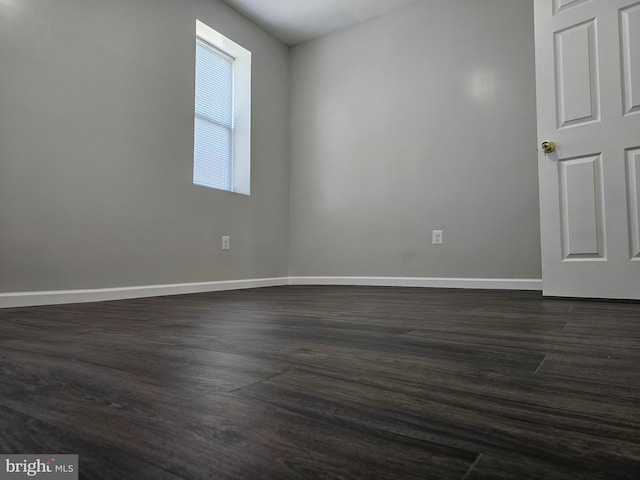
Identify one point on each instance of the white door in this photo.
(588, 100)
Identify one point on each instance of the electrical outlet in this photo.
(436, 237)
(226, 242)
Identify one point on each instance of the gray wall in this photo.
(423, 119)
(96, 149)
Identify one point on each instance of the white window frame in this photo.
(241, 136)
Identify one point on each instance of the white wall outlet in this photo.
(436, 237)
(226, 242)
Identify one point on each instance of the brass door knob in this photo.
(548, 147)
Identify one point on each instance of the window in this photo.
(222, 120)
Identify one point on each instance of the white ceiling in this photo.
(296, 21)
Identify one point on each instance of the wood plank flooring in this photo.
(337, 383)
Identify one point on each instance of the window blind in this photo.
(213, 138)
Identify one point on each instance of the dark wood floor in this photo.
(327, 383)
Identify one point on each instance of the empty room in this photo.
(320, 239)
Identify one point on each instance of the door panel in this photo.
(588, 103)
(581, 208)
(633, 189)
(577, 75)
(630, 39)
(560, 5)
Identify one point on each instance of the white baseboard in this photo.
(429, 282)
(56, 297)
